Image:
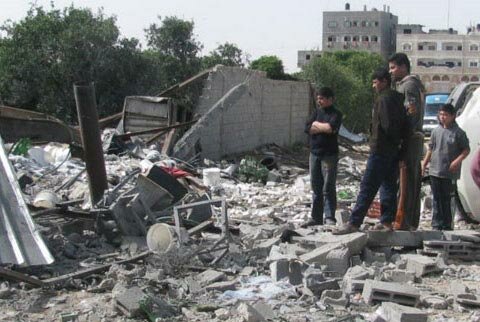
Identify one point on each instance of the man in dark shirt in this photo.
(323, 127)
(386, 136)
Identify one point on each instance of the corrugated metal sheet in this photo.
(20, 241)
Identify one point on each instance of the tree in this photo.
(348, 73)
(43, 55)
(227, 54)
(270, 64)
(172, 51)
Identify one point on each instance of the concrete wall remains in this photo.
(241, 109)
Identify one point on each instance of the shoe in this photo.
(345, 229)
(309, 223)
(382, 227)
(330, 222)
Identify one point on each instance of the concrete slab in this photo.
(393, 312)
(355, 242)
(222, 286)
(210, 276)
(399, 276)
(374, 291)
(319, 255)
(401, 238)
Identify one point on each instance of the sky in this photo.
(258, 27)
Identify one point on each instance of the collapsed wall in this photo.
(241, 109)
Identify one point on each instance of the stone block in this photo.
(355, 242)
(342, 217)
(291, 269)
(401, 238)
(421, 265)
(128, 302)
(319, 255)
(393, 312)
(338, 261)
(262, 247)
(222, 286)
(374, 291)
(399, 276)
(315, 281)
(210, 276)
(248, 313)
(353, 286)
(370, 256)
(334, 298)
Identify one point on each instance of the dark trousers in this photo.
(414, 182)
(443, 192)
(323, 177)
(381, 173)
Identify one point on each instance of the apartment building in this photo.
(368, 30)
(442, 58)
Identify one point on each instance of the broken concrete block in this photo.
(434, 302)
(262, 247)
(421, 265)
(390, 292)
(319, 255)
(315, 281)
(249, 314)
(458, 288)
(401, 238)
(393, 312)
(222, 286)
(353, 286)
(129, 301)
(290, 269)
(334, 298)
(210, 276)
(265, 310)
(247, 271)
(370, 256)
(399, 276)
(355, 242)
(469, 300)
(338, 261)
(355, 260)
(342, 217)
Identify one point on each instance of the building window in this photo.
(364, 23)
(347, 24)
(465, 79)
(473, 47)
(375, 23)
(436, 78)
(332, 24)
(407, 47)
(307, 57)
(474, 79)
(355, 24)
(347, 38)
(364, 38)
(445, 78)
(407, 31)
(355, 38)
(374, 39)
(473, 63)
(420, 47)
(432, 47)
(459, 48)
(332, 38)
(449, 47)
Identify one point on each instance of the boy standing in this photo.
(323, 127)
(447, 149)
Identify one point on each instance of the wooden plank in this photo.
(20, 277)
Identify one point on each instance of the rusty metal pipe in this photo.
(91, 140)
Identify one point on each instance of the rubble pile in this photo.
(165, 244)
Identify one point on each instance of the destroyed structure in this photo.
(200, 221)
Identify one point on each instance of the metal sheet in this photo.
(20, 241)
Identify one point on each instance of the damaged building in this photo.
(207, 186)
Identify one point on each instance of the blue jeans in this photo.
(381, 173)
(323, 177)
(443, 192)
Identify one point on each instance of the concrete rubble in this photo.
(168, 244)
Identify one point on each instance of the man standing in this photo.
(408, 214)
(323, 127)
(386, 136)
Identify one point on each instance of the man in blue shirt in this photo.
(323, 127)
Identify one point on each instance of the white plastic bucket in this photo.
(211, 176)
(161, 238)
(46, 199)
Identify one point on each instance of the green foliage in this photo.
(46, 52)
(251, 170)
(21, 147)
(270, 64)
(172, 51)
(348, 73)
(227, 54)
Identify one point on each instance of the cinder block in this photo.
(399, 313)
(353, 286)
(399, 276)
(421, 265)
(315, 281)
(338, 261)
(390, 292)
(401, 238)
(279, 270)
(334, 298)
